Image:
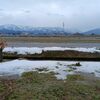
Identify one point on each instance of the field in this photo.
(65, 39)
(49, 80)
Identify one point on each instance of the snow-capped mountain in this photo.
(11, 29)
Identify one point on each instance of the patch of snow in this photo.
(61, 67)
(90, 67)
(37, 50)
(23, 50)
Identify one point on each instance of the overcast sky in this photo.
(78, 15)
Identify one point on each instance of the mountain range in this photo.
(15, 30)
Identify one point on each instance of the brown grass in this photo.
(61, 39)
(57, 55)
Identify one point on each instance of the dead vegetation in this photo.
(57, 55)
(59, 39)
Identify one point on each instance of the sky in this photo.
(78, 15)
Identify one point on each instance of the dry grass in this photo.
(61, 39)
(57, 55)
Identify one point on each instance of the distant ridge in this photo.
(93, 31)
(14, 30)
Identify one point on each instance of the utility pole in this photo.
(63, 24)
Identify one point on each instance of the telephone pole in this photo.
(63, 24)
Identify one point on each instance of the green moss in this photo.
(75, 77)
(2, 87)
(36, 77)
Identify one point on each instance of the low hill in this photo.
(94, 31)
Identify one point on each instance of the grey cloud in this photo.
(1, 9)
(27, 11)
(77, 14)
